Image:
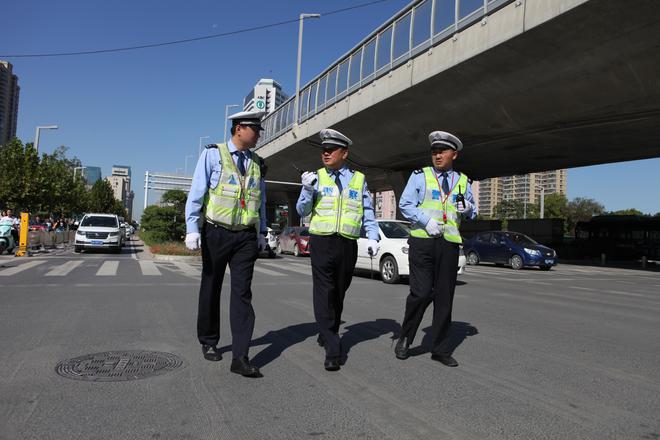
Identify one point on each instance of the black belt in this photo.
(250, 228)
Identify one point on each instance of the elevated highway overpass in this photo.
(528, 85)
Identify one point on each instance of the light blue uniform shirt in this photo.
(306, 202)
(207, 175)
(413, 196)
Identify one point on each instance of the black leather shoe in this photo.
(243, 367)
(401, 348)
(331, 364)
(445, 359)
(211, 353)
(320, 340)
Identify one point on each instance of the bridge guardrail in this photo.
(420, 25)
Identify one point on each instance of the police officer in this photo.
(340, 205)
(227, 198)
(434, 201)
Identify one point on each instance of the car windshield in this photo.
(520, 238)
(304, 232)
(106, 222)
(394, 229)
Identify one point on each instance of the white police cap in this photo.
(330, 136)
(442, 139)
(247, 118)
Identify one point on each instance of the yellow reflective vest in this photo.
(336, 213)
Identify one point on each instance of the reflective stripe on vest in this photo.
(432, 206)
(223, 204)
(336, 213)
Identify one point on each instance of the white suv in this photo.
(99, 231)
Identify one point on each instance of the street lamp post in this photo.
(36, 136)
(300, 38)
(199, 151)
(227, 107)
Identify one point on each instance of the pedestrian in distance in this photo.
(340, 205)
(226, 217)
(434, 200)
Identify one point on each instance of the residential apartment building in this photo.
(385, 205)
(525, 188)
(266, 96)
(120, 180)
(9, 93)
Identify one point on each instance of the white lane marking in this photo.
(108, 269)
(267, 271)
(187, 269)
(303, 270)
(64, 269)
(21, 267)
(148, 268)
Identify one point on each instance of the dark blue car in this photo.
(511, 248)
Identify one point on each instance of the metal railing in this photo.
(420, 25)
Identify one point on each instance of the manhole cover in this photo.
(117, 366)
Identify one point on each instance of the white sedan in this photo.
(392, 259)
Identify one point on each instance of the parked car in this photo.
(392, 259)
(511, 248)
(99, 231)
(294, 240)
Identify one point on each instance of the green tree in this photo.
(176, 198)
(629, 211)
(102, 198)
(555, 206)
(581, 209)
(19, 189)
(507, 209)
(162, 223)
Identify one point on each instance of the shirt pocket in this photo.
(215, 176)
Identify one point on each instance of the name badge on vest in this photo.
(352, 194)
(435, 194)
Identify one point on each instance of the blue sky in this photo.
(148, 108)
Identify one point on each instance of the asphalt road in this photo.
(568, 354)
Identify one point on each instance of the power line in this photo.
(187, 40)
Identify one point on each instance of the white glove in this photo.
(308, 179)
(193, 241)
(432, 228)
(374, 247)
(464, 210)
(261, 243)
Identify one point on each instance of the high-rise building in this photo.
(121, 185)
(525, 188)
(9, 93)
(91, 175)
(385, 205)
(266, 96)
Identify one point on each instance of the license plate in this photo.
(97, 242)
(550, 261)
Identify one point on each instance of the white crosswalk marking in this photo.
(187, 269)
(148, 268)
(21, 267)
(267, 271)
(108, 269)
(290, 267)
(64, 269)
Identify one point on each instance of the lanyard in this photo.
(444, 202)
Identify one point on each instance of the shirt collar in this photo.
(341, 170)
(232, 149)
(439, 172)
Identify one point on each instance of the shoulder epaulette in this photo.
(351, 170)
(212, 146)
(419, 171)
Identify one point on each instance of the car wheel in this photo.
(389, 270)
(516, 262)
(546, 267)
(473, 259)
(296, 250)
(77, 249)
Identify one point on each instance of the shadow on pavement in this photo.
(365, 331)
(278, 341)
(458, 333)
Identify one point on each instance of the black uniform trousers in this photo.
(333, 260)
(433, 269)
(220, 247)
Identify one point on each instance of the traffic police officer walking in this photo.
(434, 200)
(340, 205)
(227, 199)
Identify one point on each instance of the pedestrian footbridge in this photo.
(528, 85)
